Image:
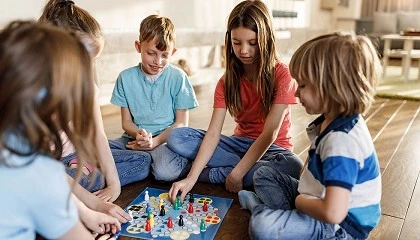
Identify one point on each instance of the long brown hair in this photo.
(46, 81)
(343, 68)
(66, 14)
(255, 16)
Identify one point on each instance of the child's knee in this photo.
(166, 165)
(177, 136)
(261, 228)
(263, 172)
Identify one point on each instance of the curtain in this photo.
(371, 6)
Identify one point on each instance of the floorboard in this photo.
(388, 229)
(411, 229)
(400, 177)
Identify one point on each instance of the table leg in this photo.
(408, 47)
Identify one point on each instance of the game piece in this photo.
(179, 204)
(131, 215)
(205, 207)
(181, 221)
(146, 196)
(148, 228)
(162, 211)
(170, 223)
(190, 208)
(176, 205)
(148, 208)
(152, 220)
(202, 226)
(160, 203)
(191, 200)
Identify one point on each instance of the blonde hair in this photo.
(343, 68)
(65, 14)
(46, 81)
(161, 28)
(253, 15)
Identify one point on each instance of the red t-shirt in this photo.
(249, 122)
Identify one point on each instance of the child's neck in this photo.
(329, 118)
(149, 77)
(250, 72)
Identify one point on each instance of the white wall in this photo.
(117, 14)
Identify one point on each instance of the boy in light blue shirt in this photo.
(155, 96)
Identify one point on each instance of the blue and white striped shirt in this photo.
(343, 155)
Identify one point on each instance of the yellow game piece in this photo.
(152, 220)
(160, 203)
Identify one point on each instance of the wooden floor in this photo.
(395, 129)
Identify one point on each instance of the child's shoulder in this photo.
(174, 70)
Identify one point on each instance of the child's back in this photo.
(35, 194)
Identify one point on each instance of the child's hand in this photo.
(114, 211)
(109, 194)
(99, 222)
(233, 183)
(144, 139)
(143, 142)
(183, 186)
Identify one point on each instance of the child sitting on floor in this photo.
(339, 192)
(46, 81)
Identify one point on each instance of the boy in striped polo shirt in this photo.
(338, 194)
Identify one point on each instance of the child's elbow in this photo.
(334, 216)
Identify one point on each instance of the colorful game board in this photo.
(200, 224)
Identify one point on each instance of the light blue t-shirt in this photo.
(153, 105)
(35, 198)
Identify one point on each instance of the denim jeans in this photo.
(132, 165)
(92, 182)
(183, 145)
(277, 218)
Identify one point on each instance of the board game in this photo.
(155, 217)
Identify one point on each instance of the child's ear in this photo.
(137, 44)
(174, 51)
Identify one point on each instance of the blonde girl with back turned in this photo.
(339, 192)
(257, 90)
(38, 102)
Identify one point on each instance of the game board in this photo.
(193, 225)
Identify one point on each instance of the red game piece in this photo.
(148, 228)
(170, 223)
(205, 207)
(191, 208)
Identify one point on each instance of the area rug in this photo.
(393, 85)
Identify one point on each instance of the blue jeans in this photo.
(92, 182)
(277, 218)
(183, 145)
(132, 165)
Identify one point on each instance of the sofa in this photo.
(387, 23)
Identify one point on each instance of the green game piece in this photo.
(176, 205)
(149, 216)
(202, 226)
(178, 202)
